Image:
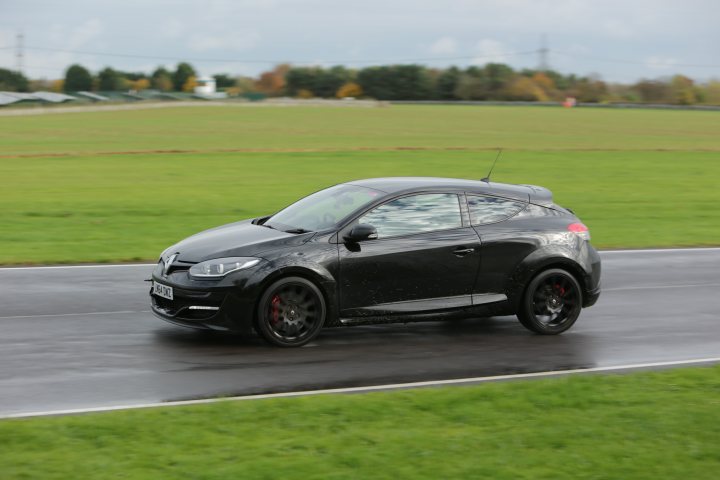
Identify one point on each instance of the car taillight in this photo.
(580, 230)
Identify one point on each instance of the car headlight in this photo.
(219, 267)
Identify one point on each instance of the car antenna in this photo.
(487, 179)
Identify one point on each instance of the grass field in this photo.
(654, 426)
(121, 186)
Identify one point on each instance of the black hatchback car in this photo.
(384, 250)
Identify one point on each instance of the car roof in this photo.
(526, 193)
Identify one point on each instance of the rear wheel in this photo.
(291, 312)
(551, 303)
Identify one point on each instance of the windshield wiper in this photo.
(297, 230)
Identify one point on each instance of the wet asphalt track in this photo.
(83, 337)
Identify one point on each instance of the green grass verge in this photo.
(637, 178)
(661, 425)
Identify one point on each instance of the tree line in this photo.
(493, 81)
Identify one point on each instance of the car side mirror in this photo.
(360, 232)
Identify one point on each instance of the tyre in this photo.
(551, 303)
(291, 312)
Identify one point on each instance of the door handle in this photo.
(461, 252)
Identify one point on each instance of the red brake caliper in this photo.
(275, 308)
(560, 289)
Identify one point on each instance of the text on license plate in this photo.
(162, 290)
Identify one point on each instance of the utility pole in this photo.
(543, 54)
(19, 53)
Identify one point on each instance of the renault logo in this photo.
(168, 263)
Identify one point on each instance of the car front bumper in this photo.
(592, 278)
(203, 305)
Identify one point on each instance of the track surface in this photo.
(83, 337)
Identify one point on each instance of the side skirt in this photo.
(501, 307)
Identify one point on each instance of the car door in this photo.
(425, 258)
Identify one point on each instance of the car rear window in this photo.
(485, 209)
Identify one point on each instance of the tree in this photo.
(712, 92)
(471, 87)
(162, 80)
(189, 85)
(77, 79)
(11, 81)
(181, 75)
(273, 82)
(39, 85)
(446, 84)
(327, 82)
(270, 83)
(349, 90)
(683, 90)
(413, 82)
(133, 76)
(619, 92)
(396, 82)
(374, 82)
(525, 89)
(245, 84)
(474, 84)
(301, 78)
(589, 90)
(223, 80)
(497, 75)
(304, 93)
(140, 84)
(109, 80)
(653, 91)
(546, 84)
(561, 82)
(322, 82)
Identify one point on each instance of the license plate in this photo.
(162, 290)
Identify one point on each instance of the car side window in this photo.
(415, 214)
(484, 210)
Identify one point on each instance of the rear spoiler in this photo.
(539, 195)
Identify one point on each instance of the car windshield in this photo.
(323, 209)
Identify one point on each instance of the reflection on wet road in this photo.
(82, 337)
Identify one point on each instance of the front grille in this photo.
(178, 307)
(179, 267)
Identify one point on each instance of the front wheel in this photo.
(291, 312)
(551, 303)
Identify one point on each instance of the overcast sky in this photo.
(622, 40)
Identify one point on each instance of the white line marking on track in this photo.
(72, 314)
(663, 250)
(654, 287)
(146, 265)
(394, 386)
(61, 267)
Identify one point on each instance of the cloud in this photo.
(84, 33)
(325, 29)
(490, 51)
(444, 46)
(172, 28)
(658, 62)
(7, 39)
(7, 53)
(617, 28)
(232, 41)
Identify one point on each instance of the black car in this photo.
(384, 250)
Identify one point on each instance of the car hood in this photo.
(240, 239)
